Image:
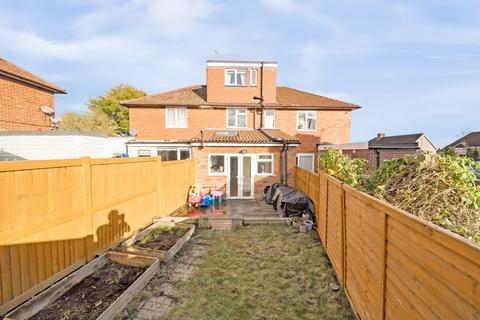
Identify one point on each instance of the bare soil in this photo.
(162, 238)
(93, 295)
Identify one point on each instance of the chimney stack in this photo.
(380, 135)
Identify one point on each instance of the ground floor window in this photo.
(306, 161)
(265, 164)
(171, 154)
(144, 153)
(216, 164)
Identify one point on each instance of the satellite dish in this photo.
(132, 132)
(56, 120)
(47, 110)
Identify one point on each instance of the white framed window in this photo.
(216, 165)
(269, 119)
(172, 154)
(236, 118)
(306, 161)
(235, 77)
(176, 117)
(265, 164)
(306, 120)
(253, 77)
(143, 153)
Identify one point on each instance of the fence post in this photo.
(384, 264)
(159, 186)
(87, 197)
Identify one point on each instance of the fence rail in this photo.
(57, 214)
(392, 264)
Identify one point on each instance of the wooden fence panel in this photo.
(176, 178)
(394, 265)
(335, 225)
(363, 253)
(55, 214)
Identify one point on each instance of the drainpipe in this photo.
(286, 163)
(261, 94)
(201, 139)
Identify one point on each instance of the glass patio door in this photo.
(240, 177)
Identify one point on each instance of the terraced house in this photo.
(27, 102)
(243, 130)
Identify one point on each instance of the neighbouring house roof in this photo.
(7, 156)
(13, 71)
(470, 140)
(344, 146)
(243, 136)
(53, 133)
(195, 96)
(406, 141)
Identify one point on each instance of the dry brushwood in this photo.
(439, 189)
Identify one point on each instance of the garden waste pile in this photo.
(442, 189)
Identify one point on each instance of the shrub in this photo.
(347, 170)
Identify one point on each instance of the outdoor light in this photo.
(243, 151)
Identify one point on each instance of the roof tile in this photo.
(10, 69)
(197, 96)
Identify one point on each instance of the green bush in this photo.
(347, 170)
(444, 189)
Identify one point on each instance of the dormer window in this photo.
(235, 77)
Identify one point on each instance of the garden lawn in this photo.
(262, 272)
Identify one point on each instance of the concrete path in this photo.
(160, 295)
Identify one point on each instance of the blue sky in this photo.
(414, 66)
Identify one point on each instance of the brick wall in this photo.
(384, 154)
(218, 92)
(332, 126)
(19, 106)
(260, 182)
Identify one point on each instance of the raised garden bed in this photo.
(160, 240)
(99, 290)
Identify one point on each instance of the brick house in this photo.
(466, 145)
(383, 147)
(22, 94)
(243, 130)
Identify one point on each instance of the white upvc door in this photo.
(240, 177)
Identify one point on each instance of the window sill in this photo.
(176, 127)
(314, 130)
(211, 174)
(236, 85)
(265, 175)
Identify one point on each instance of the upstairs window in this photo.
(235, 77)
(306, 120)
(253, 77)
(269, 119)
(176, 117)
(236, 118)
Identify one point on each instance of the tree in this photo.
(109, 105)
(91, 121)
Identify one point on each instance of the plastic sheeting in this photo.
(289, 202)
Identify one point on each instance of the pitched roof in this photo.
(470, 140)
(13, 71)
(240, 136)
(290, 97)
(197, 96)
(401, 141)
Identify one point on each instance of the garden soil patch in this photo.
(93, 295)
(161, 238)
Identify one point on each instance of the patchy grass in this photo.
(262, 272)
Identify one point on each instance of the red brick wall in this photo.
(332, 126)
(218, 92)
(384, 154)
(19, 106)
(219, 182)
